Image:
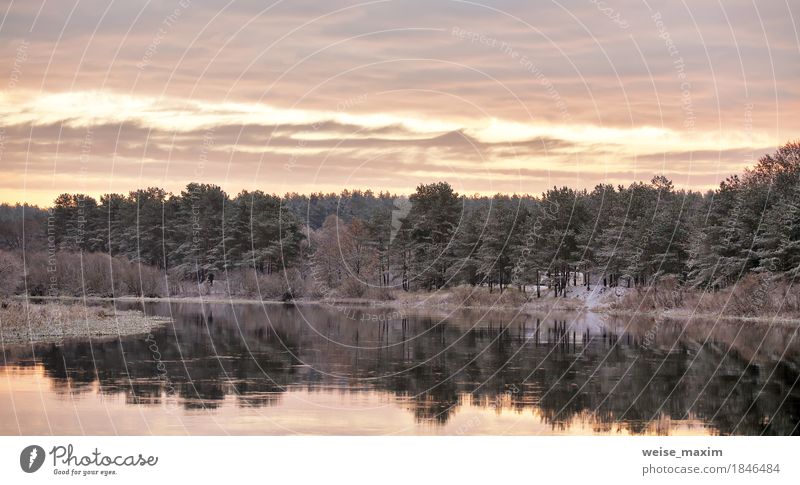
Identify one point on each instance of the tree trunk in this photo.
(537, 285)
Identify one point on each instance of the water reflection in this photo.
(312, 369)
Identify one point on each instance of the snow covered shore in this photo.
(24, 323)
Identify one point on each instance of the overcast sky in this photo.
(302, 96)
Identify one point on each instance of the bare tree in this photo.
(10, 273)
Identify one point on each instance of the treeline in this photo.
(346, 244)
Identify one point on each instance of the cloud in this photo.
(386, 93)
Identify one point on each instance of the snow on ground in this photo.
(599, 296)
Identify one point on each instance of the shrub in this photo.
(751, 296)
(352, 288)
(513, 297)
(665, 294)
(90, 274)
(178, 284)
(142, 280)
(790, 299)
(478, 296)
(380, 293)
(10, 273)
(285, 285)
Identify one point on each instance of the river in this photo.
(314, 369)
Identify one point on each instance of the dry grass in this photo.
(23, 322)
(753, 296)
(665, 295)
(469, 296)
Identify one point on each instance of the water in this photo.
(311, 369)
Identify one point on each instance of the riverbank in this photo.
(754, 298)
(443, 299)
(659, 302)
(54, 321)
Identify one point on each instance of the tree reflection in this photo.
(617, 375)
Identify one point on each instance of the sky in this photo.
(309, 96)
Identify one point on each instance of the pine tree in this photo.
(434, 217)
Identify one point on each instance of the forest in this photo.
(360, 243)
